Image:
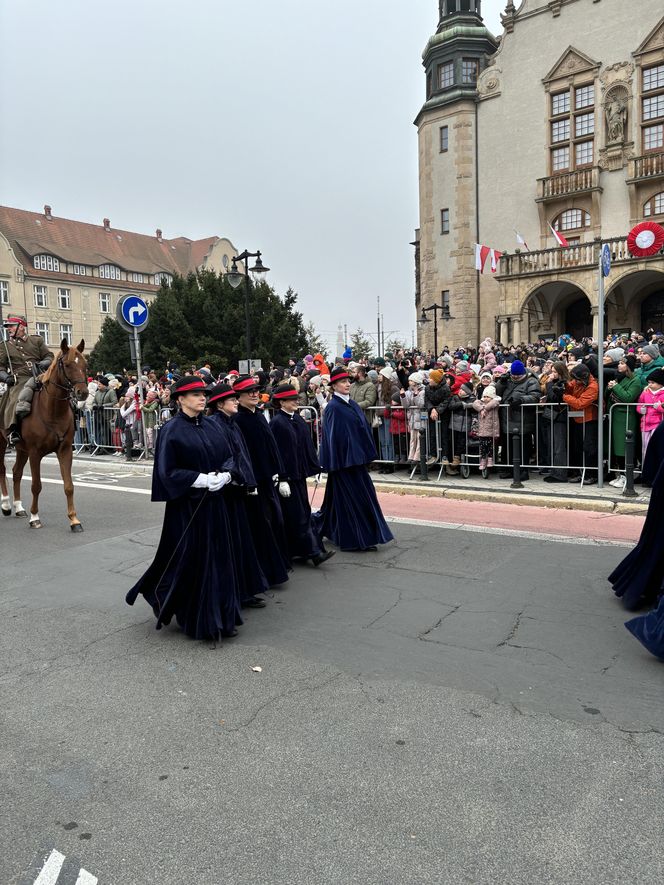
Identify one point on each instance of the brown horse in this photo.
(48, 428)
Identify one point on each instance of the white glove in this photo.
(252, 492)
(275, 479)
(3, 388)
(218, 480)
(201, 481)
(284, 490)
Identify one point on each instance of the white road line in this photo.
(85, 878)
(51, 869)
(514, 533)
(98, 485)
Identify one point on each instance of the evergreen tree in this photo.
(315, 344)
(395, 344)
(360, 345)
(111, 352)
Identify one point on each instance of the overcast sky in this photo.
(284, 126)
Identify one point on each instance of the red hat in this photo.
(219, 392)
(16, 319)
(285, 391)
(246, 384)
(339, 373)
(188, 384)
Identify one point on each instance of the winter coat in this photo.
(149, 412)
(643, 372)
(580, 398)
(488, 418)
(436, 396)
(397, 417)
(460, 409)
(514, 394)
(364, 393)
(623, 418)
(650, 408)
(105, 396)
(414, 402)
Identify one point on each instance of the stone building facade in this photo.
(67, 276)
(558, 123)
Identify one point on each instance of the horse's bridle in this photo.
(71, 385)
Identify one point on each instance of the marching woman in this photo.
(350, 515)
(222, 407)
(300, 461)
(263, 509)
(193, 576)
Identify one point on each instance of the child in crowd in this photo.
(413, 399)
(398, 428)
(651, 404)
(489, 423)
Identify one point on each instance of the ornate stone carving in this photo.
(615, 111)
(620, 72)
(488, 83)
(616, 83)
(616, 156)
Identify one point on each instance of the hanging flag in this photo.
(481, 255)
(495, 259)
(560, 239)
(520, 240)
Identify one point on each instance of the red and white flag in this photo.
(481, 255)
(520, 240)
(560, 239)
(495, 260)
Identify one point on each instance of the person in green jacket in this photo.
(149, 412)
(625, 388)
(651, 359)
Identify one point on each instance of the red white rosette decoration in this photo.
(647, 238)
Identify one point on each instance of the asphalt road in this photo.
(461, 707)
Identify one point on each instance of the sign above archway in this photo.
(645, 239)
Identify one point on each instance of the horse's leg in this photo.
(19, 464)
(65, 457)
(5, 503)
(35, 469)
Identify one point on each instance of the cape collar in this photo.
(344, 396)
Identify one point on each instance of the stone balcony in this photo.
(563, 259)
(581, 181)
(646, 168)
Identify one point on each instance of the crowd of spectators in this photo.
(471, 402)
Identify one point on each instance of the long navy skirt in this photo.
(649, 630)
(194, 576)
(350, 515)
(267, 530)
(302, 541)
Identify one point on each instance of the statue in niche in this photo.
(616, 118)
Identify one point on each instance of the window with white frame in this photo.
(469, 70)
(64, 299)
(4, 292)
(652, 108)
(137, 278)
(46, 262)
(41, 296)
(654, 206)
(160, 278)
(43, 330)
(66, 332)
(104, 302)
(109, 272)
(572, 219)
(572, 128)
(446, 75)
(80, 269)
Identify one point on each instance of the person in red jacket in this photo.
(581, 395)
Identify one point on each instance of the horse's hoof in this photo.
(21, 514)
(6, 512)
(35, 524)
(77, 527)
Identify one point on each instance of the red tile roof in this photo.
(32, 233)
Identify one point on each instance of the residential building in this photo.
(556, 125)
(67, 276)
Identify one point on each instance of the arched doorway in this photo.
(578, 319)
(652, 312)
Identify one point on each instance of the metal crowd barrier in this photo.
(633, 414)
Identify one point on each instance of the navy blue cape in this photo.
(347, 439)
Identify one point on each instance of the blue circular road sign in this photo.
(134, 311)
(606, 260)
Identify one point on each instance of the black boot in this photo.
(322, 557)
(14, 434)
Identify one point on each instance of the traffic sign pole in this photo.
(132, 314)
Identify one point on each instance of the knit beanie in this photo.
(486, 375)
(462, 366)
(615, 354)
(652, 350)
(447, 359)
(630, 360)
(517, 368)
(416, 377)
(436, 376)
(372, 374)
(580, 372)
(387, 372)
(657, 376)
(489, 390)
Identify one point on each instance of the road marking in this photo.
(98, 485)
(514, 533)
(51, 869)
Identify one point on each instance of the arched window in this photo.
(654, 206)
(109, 272)
(572, 219)
(46, 262)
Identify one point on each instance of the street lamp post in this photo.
(235, 277)
(424, 319)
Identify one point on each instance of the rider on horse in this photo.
(22, 358)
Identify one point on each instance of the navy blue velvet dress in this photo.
(299, 461)
(263, 509)
(350, 515)
(250, 574)
(638, 579)
(194, 575)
